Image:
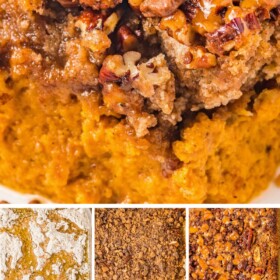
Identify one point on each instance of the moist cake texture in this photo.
(97, 93)
(234, 244)
(140, 244)
(44, 244)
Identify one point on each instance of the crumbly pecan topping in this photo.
(233, 244)
(128, 84)
(159, 8)
(176, 45)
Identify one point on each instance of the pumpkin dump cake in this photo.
(139, 101)
(38, 244)
(140, 244)
(234, 244)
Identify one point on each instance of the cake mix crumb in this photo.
(140, 244)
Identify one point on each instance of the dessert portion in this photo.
(140, 244)
(97, 93)
(45, 244)
(234, 244)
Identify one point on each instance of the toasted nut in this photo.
(111, 23)
(242, 265)
(107, 76)
(201, 58)
(113, 69)
(160, 8)
(89, 20)
(135, 4)
(259, 270)
(68, 3)
(257, 254)
(127, 40)
(178, 28)
(248, 238)
(93, 37)
(174, 22)
(229, 267)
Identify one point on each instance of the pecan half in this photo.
(248, 238)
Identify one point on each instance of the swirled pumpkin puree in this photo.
(99, 103)
(73, 153)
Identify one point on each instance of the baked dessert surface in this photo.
(44, 244)
(93, 98)
(140, 244)
(234, 244)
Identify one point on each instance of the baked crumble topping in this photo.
(234, 244)
(217, 52)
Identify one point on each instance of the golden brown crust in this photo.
(234, 244)
(159, 8)
(94, 4)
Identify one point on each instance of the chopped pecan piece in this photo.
(275, 13)
(127, 40)
(93, 37)
(190, 8)
(107, 76)
(217, 40)
(248, 238)
(89, 20)
(159, 8)
(176, 26)
(111, 22)
(68, 3)
(252, 21)
(127, 84)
